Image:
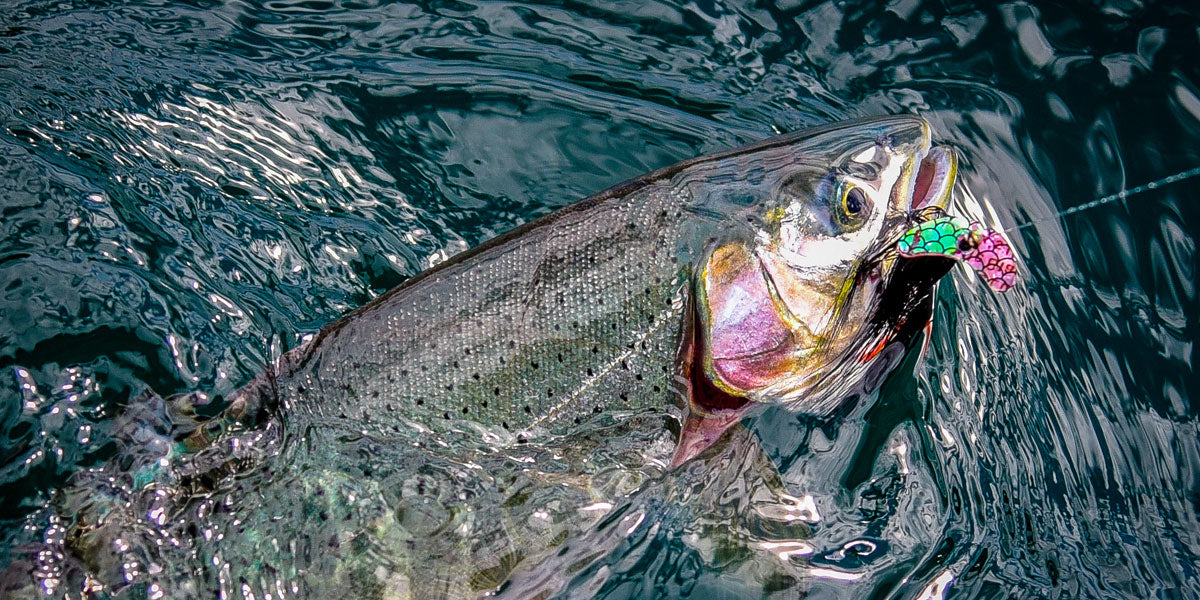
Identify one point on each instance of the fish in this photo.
(461, 427)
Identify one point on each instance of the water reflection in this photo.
(189, 189)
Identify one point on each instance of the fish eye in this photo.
(855, 201)
(855, 207)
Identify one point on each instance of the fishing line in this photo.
(1121, 195)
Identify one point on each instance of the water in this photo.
(189, 188)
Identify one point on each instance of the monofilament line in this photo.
(1121, 195)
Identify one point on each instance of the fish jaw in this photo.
(932, 179)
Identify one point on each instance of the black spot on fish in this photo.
(624, 365)
(596, 409)
(475, 376)
(521, 439)
(464, 410)
(550, 393)
(511, 344)
(528, 410)
(484, 404)
(590, 372)
(557, 327)
(624, 396)
(446, 415)
(389, 407)
(496, 391)
(638, 376)
(595, 350)
(656, 389)
(576, 420)
(575, 324)
(502, 361)
(433, 345)
(404, 372)
(533, 363)
(456, 364)
(560, 358)
(450, 387)
(504, 424)
(374, 393)
(420, 402)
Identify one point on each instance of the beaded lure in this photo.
(985, 250)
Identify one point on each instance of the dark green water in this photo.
(188, 188)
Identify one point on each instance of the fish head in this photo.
(794, 285)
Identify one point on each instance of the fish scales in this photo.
(580, 314)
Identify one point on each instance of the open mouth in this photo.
(933, 179)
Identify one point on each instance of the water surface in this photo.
(189, 188)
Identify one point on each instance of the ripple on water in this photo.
(187, 189)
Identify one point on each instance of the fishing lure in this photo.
(983, 249)
(986, 250)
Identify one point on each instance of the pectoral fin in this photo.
(710, 409)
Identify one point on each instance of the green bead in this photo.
(937, 236)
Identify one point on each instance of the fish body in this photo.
(584, 311)
(469, 422)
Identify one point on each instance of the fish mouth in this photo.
(933, 175)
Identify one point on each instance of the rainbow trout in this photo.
(467, 423)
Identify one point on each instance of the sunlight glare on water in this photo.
(189, 189)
